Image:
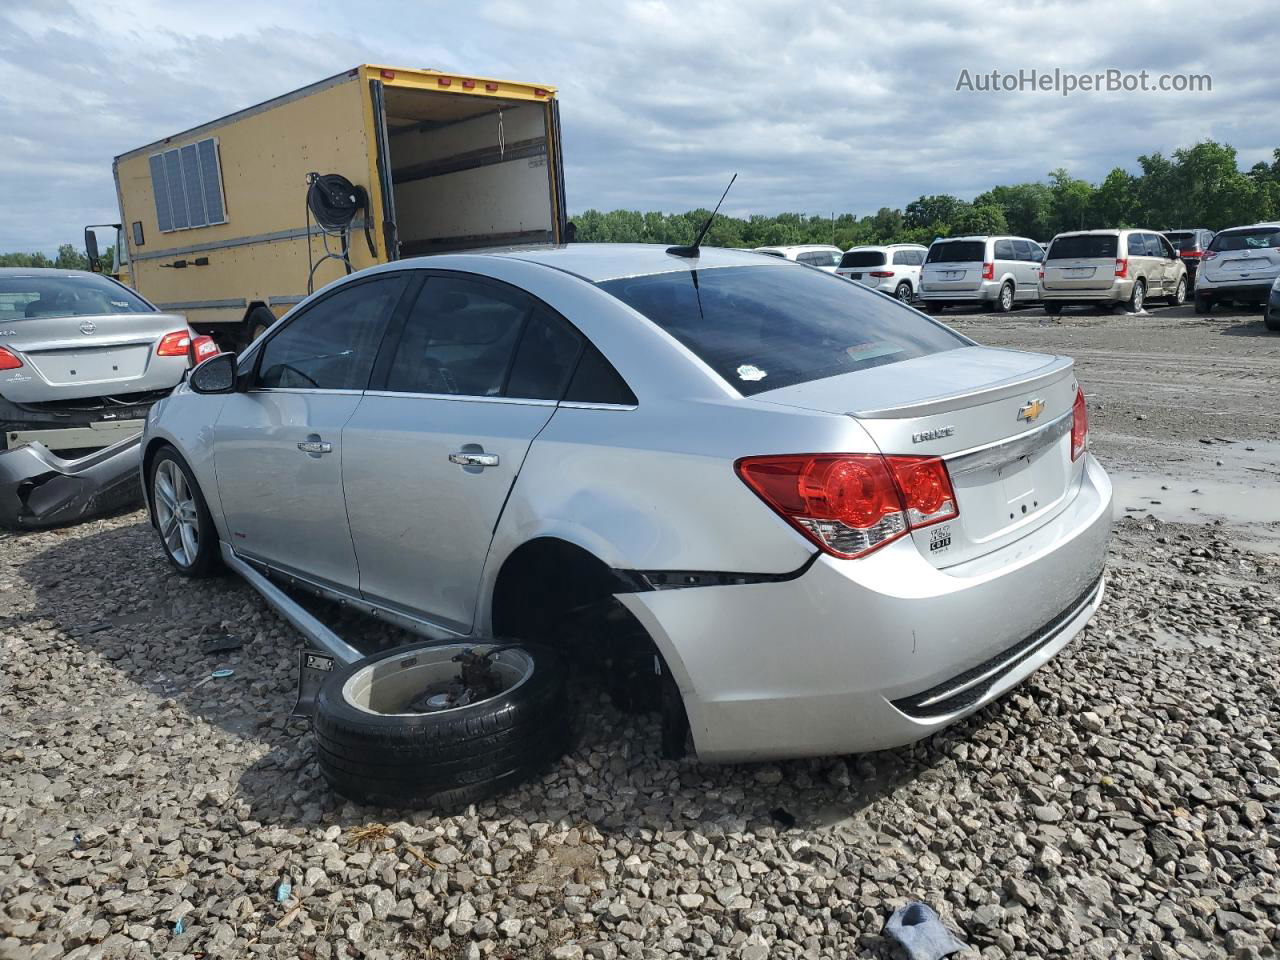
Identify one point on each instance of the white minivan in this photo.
(992, 271)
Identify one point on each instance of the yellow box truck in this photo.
(234, 221)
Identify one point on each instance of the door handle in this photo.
(315, 446)
(464, 459)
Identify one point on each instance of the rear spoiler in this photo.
(1000, 390)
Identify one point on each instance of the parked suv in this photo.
(1191, 245)
(893, 268)
(1239, 265)
(1104, 268)
(814, 254)
(997, 272)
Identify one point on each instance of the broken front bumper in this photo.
(39, 489)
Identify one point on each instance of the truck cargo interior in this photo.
(468, 171)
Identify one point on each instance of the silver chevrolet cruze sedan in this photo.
(831, 523)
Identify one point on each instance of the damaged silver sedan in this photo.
(82, 359)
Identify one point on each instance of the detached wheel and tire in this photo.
(374, 747)
(186, 529)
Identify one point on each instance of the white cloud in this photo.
(820, 107)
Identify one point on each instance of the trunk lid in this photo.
(88, 356)
(1001, 419)
(1081, 262)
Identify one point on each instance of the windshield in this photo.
(863, 258)
(1260, 239)
(1182, 241)
(1082, 246)
(761, 328)
(958, 251)
(33, 295)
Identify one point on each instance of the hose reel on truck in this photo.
(333, 202)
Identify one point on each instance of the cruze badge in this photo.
(1031, 410)
(935, 434)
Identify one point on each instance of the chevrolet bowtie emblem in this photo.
(1031, 410)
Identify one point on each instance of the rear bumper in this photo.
(70, 426)
(842, 658)
(1208, 290)
(1118, 292)
(937, 292)
(39, 489)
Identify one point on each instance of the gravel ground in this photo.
(1125, 801)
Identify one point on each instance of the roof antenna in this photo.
(692, 249)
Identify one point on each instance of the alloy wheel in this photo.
(176, 513)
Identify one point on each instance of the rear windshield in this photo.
(761, 328)
(863, 258)
(54, 296)
(1083, 245)
(957, 251)
(1259, 239)
(1183, 241)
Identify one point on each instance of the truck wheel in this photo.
(182, 519)
(258, 322)
(401, 728)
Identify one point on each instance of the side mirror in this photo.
(91, 250)
(215, 375)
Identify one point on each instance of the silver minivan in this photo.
(1240, 264)
(1105, 268)
(996, 272)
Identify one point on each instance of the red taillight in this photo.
(1193, 254)
(852, 504)
(1079, 426)
(1208, 255)
(988, 271)
(880, 273)
(202, 348)
(176, 344)
(1122, 268)
(8, 361)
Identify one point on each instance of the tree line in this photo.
(1199, 186)
(68, 258)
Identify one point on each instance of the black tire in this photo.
(933, 308)
(1003, 302)
(1179, 296)
(1204, 305)
(257, 323)
(1138, 298)
(1272, 320)
(902, 292)
(1053, 309)
(450, 758)
(203, 558)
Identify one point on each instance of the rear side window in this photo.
(331, 345)
(1026, 250)
(863, 258)
(546, 356)
(1137, 247)
(1083, 246)
(1004, 250)
(761, 328)
(1260, 239)
(1154, 247)
(596, 381)
(957, 251)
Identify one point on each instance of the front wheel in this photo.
(182, 518)
(1179, 294)
(903, 292)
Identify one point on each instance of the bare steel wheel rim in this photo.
(176, 513)
(388, 687)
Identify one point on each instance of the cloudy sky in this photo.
(820, 107)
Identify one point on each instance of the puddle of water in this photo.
(1201, 500)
